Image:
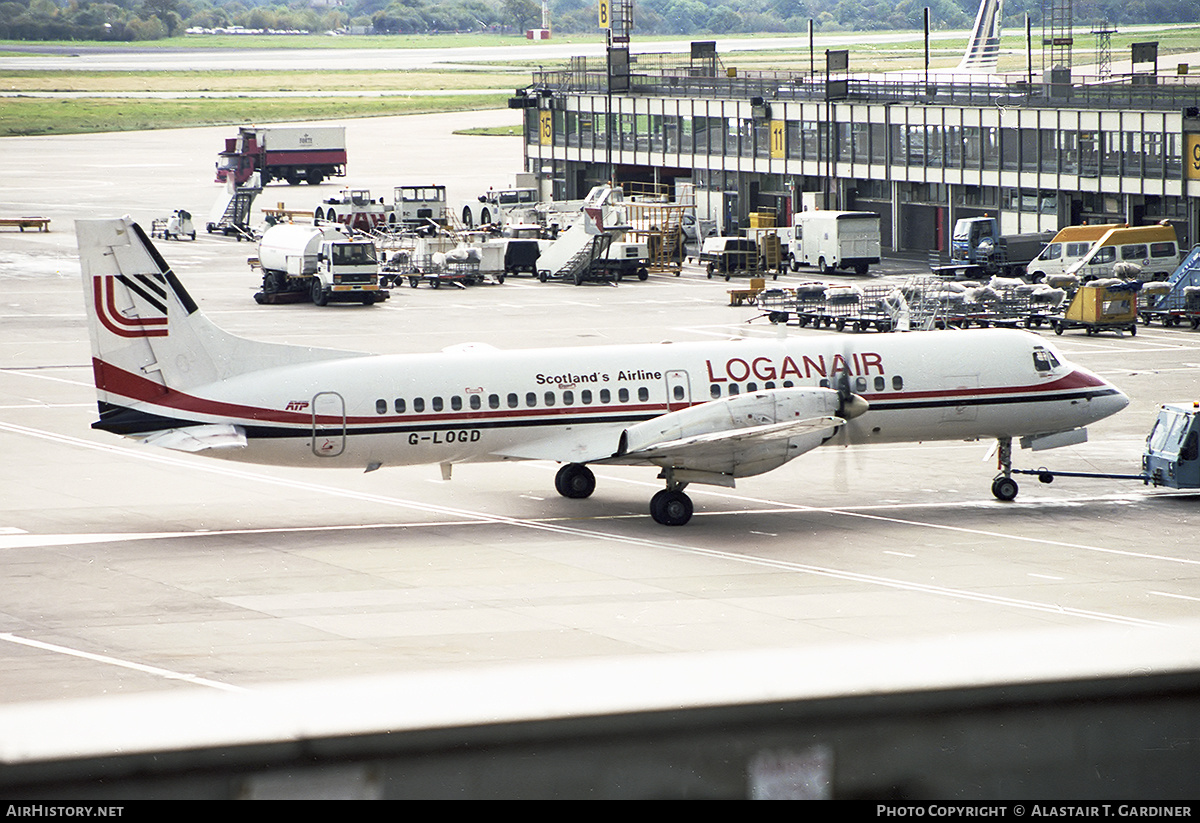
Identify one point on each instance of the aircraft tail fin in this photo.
(983, 49)
(149, 337)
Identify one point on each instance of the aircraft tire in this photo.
(1004, 488)
(671, 508)
(575, 480)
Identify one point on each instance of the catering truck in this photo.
(318, 263)
(292, 153)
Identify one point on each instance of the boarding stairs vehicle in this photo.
(593, 247)
(587, 251)
(230, 214)
(1178, 300)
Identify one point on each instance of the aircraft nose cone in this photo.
(854, 406)
(1119, 400)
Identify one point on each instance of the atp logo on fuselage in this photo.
(146, 317)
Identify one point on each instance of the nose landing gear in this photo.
(1004, 487)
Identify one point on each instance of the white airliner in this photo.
(707, 412)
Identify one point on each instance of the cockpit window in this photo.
(1044, 361)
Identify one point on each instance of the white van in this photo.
(834, 240)
(1068, 247)
(1153, 249)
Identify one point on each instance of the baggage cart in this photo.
(1102, 305)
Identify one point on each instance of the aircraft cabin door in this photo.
(329, 424)
(962, 412)
(679, 391)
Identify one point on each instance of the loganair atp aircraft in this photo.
(708, 412)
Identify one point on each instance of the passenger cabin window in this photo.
(605, 396)
(531, 399)
(585, 397)
(643, 394)
(418, 404)
(381, 407)
(436, 404)
(1162, 249)
(493, 401)
(513, 401)
(456, 403)
(1135, 252)
(476, 402)
(400, 405)
(897, 382)
(623, 395)
(568, 398)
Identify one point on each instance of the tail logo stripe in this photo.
(156, 302)
(154, 282)
(117, 323)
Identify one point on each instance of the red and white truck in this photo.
(292, 153)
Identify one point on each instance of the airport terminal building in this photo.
(922, 150)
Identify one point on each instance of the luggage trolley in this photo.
(1102, 305)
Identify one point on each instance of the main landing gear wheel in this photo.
(575, 480)
(1004, 488)
(671, 508)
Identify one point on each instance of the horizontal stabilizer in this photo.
(198, 438)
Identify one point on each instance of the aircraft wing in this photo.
(716, 441)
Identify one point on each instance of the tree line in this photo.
(128, 20)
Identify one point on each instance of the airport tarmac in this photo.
(127, 569)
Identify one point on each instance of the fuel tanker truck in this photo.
(319, 263)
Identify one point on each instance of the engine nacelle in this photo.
(731, 413)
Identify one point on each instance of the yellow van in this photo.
(1067, 248)
(1153, 249)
